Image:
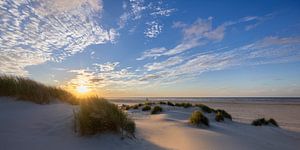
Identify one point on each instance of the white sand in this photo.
(30, 126)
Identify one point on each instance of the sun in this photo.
(82, 89)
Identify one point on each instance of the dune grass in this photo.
(97, 115)
(219, 117)
(29, 90)
(204, 108)
(224, 113)
(156, 110)
(184, 105)
(197, 118)
(170, 103)
(146, 108)
(263, 121)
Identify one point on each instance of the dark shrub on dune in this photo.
(198, 118)
(170, 103)
(162, 103)
(219, 117)
(204, 108)
(263, 121)
(135, 106)
(97, 115)
(259, 122)
(125, 107)
(273, 122)
(185, 105)
(156, 110)
(29, 90)
(224, 113)
(146, 108)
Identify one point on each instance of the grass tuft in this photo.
(97, 115)
(146, 108)
(156, 110)
(198, 118)
(170, 103)
(219, 117)
(162, 103)
(224, 113)
(263, 121)
(184, 105)
(204, 108)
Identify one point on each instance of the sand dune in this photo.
(30, 126)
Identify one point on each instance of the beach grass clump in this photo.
(97, 115)
(205, 108)
(135, 106)
(170, 103)
(273, 122)
(263, 121)
(162, 103)
(146, 108)
(224, 113)
(125, 107)
(29, 90)
(197, 118)
(156, 110)
(184, 105)
(219, 117)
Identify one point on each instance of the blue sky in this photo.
(155, 48)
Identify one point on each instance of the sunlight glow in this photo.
(82, 89)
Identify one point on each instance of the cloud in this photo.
(164, 64)
(105, 77)
(137, 9)
(202, 32)
(199, 33)
(107, 66)
(154, 52)
(33, 33)
(149, 77)
(270, 50)
(153, 29)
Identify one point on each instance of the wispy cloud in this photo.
(153, 29)
(202, 32)
(137, 9)
(164, 64)
(270, 50)
(35, 32)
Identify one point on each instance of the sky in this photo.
(121, 48)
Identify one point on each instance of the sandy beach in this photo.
(30, 126)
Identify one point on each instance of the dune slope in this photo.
(30, 126)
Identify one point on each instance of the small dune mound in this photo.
(156, 110)
(263, 121)
(146, 108)
(197, 118)
(97, 115)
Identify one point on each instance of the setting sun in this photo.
(82, 89)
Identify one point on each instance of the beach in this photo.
(25, 125)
